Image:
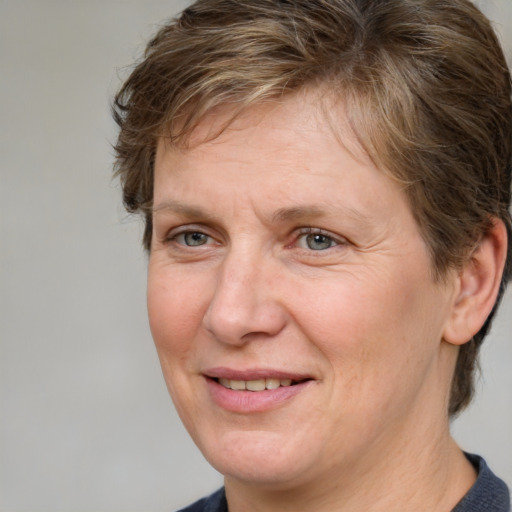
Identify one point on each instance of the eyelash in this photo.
(302, 234)
(173, 238)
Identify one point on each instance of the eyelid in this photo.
(175, 232)
(309, 230)
(180, 238)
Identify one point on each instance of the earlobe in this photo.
(478, 285)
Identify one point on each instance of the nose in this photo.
(245, 304)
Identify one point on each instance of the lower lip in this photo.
(253, 401)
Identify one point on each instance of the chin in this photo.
(261, 458)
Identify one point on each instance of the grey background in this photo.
(85, 420)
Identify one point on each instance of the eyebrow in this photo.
(289, 214)
(295, 213)
(185, 210)
(314, 212)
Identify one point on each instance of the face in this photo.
(291, 301)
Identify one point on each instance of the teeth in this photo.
(225, 383)
(272, 383)
(255, 385)
(239, 385)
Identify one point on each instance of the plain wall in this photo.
(85, 420)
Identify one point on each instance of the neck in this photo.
(432, 474)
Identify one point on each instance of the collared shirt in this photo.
(488, 494)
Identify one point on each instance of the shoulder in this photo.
(213, 503)
(488, 494)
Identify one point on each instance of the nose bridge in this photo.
(243, 302)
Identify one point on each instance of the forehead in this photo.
(310, 108)
(291, 156)
(293, 130)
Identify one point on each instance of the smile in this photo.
(254, 391)
(255, 385)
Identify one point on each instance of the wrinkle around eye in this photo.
(324, 242)
(185, 242)
(192, 238)
(306, 238)
(171, 251)
(338, 250)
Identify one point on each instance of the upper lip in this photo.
(254, 374)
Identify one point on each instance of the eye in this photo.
(316, 241)
(192, 238)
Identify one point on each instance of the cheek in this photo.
(373, 331)
(174, 317)
(174, 310)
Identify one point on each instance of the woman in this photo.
(325, 186)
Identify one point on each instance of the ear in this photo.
(477, 285)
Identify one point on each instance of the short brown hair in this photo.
(424, 84)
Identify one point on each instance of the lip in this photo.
(246, 402)
(253, 374)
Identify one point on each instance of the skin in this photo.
(355, 309)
